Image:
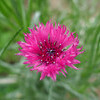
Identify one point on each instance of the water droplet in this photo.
(47, 62)
(40, 42)
(54, 62)
(42, 55)
(40, 46)
(51, 56)
(57, 53)
(51, 50)
(60, 44)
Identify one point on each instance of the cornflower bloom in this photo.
(45, 49)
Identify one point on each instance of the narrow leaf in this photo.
(4, 49)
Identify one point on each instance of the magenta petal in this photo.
(72, 66)
(53, 77)
(42, 76)
(63, 73)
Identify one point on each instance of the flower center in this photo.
(49, 52)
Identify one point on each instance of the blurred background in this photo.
(17, 82)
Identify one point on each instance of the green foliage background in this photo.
(17, 82)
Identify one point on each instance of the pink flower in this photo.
(45, 49)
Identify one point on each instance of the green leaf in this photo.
(4, 22)
(29, 12)
(4, 49)
(15, 6)
(8, 12)
(70, 89)
(22, 12)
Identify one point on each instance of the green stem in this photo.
(50, 90)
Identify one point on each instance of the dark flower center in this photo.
(49, 52)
